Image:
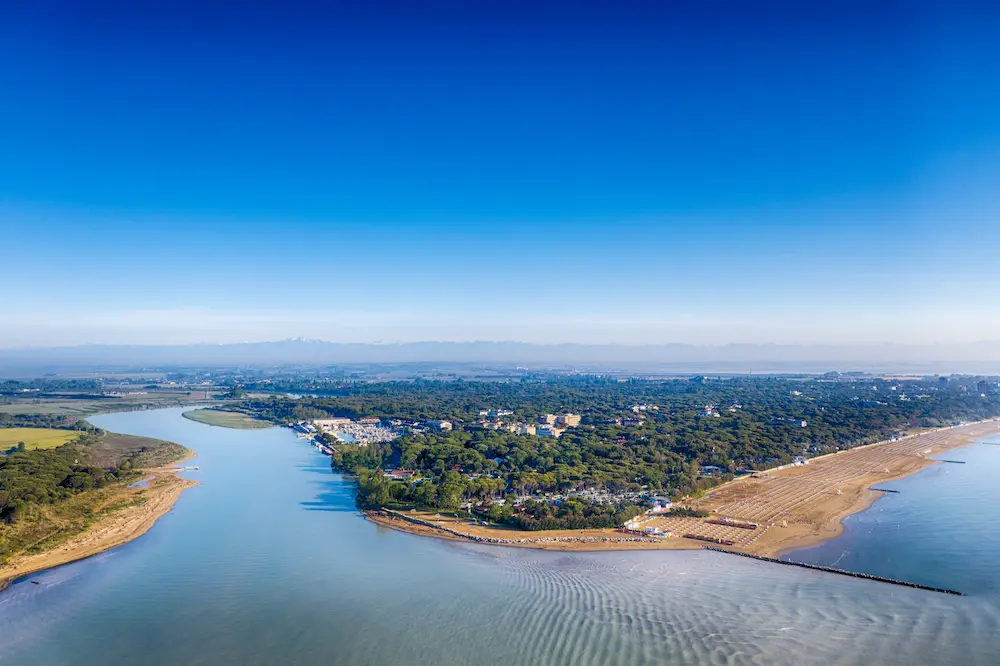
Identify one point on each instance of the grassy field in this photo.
(35, 438)
(225, 419)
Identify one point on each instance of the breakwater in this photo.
(954, 462)
(855, 574)
(884, 490)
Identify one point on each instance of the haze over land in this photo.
(982, 357)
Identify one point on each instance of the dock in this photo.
(843, 572)
(323, 447)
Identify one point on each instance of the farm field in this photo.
(36, 438)
(68, 408)
(79, 408)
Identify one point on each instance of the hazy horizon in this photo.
(301, 340)
(978, 359)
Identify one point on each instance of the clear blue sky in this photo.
(632, 172)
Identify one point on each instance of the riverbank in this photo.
(792, 508)
(126, 513)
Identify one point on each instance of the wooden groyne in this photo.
(733, 523)
(843, 572)
(702, 537)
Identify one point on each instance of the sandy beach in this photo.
(790, 508)
(120, 526)
(806, 505)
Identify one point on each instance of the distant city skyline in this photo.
(788, 173)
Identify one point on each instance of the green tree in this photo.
(425, 493)
(451, 487)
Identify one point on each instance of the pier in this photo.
(843, 572)
(322, 447)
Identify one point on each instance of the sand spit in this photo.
(794, 507)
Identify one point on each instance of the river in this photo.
(268, 562)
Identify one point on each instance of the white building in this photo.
(326, 424)
(569, 420)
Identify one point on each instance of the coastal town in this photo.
(368, 430)
(792, 506)
(326, 433)
(758, 511)
(521, 474)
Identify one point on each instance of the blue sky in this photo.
(550, 172)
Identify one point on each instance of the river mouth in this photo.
(268, 561)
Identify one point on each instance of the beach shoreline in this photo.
(165, 487)
(824, 521)
(817, 523)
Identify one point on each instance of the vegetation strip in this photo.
(843, 572)
(225, 419)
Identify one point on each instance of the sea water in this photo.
(268, 562)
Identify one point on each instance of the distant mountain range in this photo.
(980, 357)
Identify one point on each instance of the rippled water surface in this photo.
(268, 562)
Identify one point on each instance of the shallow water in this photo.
(940, 529)
(268, 562)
